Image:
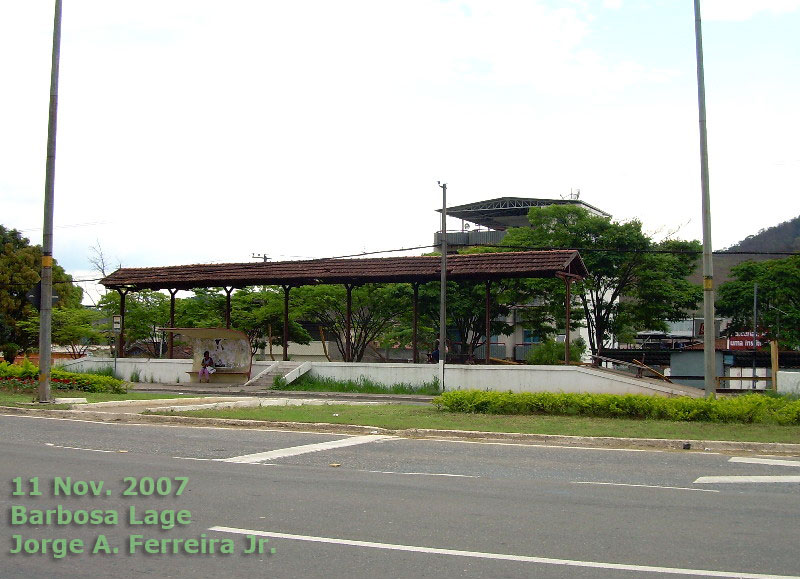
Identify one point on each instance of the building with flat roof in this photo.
(486, 222)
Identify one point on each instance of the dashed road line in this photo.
(50, 444)
(424, 473)
(577, 482)
(502, 556)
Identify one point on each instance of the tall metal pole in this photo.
(709, 333)
(755, 329)
(46, 301)
(443, 290)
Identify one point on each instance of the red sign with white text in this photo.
(744, 341)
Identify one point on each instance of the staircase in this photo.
(267, 379)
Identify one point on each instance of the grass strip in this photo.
(403, 416)
(307, 383)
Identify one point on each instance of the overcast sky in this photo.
(192, 131)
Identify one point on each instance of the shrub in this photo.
(26, 374)
(551, 353)
(749, 408)
(10, 351)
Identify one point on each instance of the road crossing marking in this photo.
(304, 449)
(771, 461)
(748, 479)
(502, 556)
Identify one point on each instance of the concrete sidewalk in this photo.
(208, 403)
(240, 391)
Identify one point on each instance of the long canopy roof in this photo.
(479, 266)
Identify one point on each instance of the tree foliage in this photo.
(146, 312)
(376, 309)
(633, 284)
(260, 315)
(20, 268)
(74, 328)
(466, 312)
(778, 298)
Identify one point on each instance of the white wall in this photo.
(150, 370)
(789, 381)
(502, 378)
(457, 377)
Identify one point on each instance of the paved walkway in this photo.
(209, 403)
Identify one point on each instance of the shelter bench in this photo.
(222, 375)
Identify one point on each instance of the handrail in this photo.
(635, 364)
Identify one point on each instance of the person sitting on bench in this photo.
(207, 367)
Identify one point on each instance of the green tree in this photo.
(551, 353)
(778, 298)
(466, 312)
(204, 309)
(146, 312)
(260, 315)
(376, 309)
(633, 284)
(20, 266)
(75, 328)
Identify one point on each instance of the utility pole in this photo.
(755, 329)
(709, 335)
(443, 290)
(46, 302)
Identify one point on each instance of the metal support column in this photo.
(286, 290)
(568, 312)
(487, 311)
(171, 335)
(348, 348)
(415, 324)
(121, 341)
(228, 291)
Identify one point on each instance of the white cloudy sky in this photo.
(193, 131)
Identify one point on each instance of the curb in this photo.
(418, 433)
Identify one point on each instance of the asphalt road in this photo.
(374, 506)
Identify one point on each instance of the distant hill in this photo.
(779, 238)
(783, 237)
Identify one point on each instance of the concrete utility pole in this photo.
(46, 301)
(443, 290)
(709, 332)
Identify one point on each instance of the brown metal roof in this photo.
(478, 266)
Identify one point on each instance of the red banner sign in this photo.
(744, 341)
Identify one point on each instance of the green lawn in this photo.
(398, 417)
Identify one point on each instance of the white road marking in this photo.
(747, 479)
(579, 482)
(501, 556)
(79, 448)
(771, 461)
(305, 449)
(220, 460)
(424, 473)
